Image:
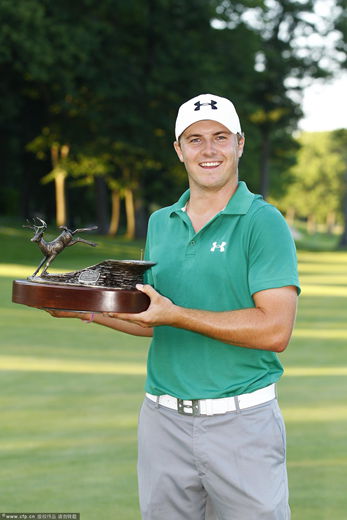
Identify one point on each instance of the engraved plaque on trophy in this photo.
(109, 286)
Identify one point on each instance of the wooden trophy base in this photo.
(76, 298)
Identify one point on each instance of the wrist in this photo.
(176, 317)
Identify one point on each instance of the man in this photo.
(223, 301)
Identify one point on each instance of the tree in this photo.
(86, 111)
(102, 80)
(341, 135)
(24, 61)
(43, 80)
(318, 189)
(341, 26)
(339, 147)
(283, 61)
(121, 166)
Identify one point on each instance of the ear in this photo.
(177, 147)
(241, 144)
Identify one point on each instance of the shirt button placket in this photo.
(191, 249)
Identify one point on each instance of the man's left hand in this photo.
(159, 312)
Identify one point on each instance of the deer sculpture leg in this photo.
(48, 263)
(40, 265)
(75, 240)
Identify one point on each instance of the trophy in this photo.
(109, 286)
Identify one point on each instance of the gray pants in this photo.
(225, 467)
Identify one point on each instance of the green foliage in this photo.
(281, 64)
(105, 78)
(318, 177)
(341, 25)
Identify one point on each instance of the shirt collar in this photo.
(180, 204)
(239, 203)
(241, 200)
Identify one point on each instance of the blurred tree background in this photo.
(90, 91)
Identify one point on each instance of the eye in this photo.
(221, 137)
(195, 140)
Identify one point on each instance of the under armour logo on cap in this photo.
(207, 107)
(198, 105)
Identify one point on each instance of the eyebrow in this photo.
(215, 134)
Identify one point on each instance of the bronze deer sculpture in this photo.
(53, 248)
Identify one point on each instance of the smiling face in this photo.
(210, 153)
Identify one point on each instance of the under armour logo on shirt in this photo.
(221, 247)
(198, 105)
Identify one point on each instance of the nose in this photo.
(209, 147)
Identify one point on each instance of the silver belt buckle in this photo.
(193, 409)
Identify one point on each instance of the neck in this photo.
(210, 202)
(203, 206)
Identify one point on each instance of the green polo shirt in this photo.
(244, 249)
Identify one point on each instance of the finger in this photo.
(65, 314)
(55, 314)
(121, 316)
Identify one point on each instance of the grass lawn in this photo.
(70, 395)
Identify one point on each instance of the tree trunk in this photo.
(130, 213)
(60, 201)
(265, 163)
(343, 239)
(290, 216)
(311, 224)
(141, 223)
(141, 215)
(330, 222)
(58, 154)
(101, 204)
(114, 223)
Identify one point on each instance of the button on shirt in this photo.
(244, 249)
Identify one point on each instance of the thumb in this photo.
(146, 289)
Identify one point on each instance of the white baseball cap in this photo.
(207, 106)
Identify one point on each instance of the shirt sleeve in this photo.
(272, 253)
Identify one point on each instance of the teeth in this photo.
(209, 164)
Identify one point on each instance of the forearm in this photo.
(266, 326)
(249, 328)
(122, 326)
(102, 319)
